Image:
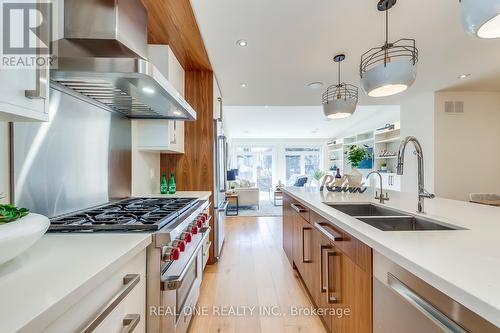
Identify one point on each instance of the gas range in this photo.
(176, 257)
(132, 214)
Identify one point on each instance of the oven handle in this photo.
(223, 206)
(175, 282)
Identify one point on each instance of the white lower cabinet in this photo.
(117, 305)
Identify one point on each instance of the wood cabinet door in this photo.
(306, 254)
(288, 223)
(356, 296)
(320, 248)
(297, 242)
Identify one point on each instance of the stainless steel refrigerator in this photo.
(220, 168)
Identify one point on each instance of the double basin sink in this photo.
(387, 219)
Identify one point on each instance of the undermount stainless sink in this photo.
(387, 219)
(365, 210)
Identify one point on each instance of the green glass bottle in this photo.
(171, 184)
(163, 184)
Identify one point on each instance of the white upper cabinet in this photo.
(24, 88)
(166, 136)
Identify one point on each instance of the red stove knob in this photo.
(200, 223)
(180, 244)
(186, 236)
(194, 230)
(203, 218)
(170, 253)
(205, 215)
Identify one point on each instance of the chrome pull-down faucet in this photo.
(380, 197)
(422, 192)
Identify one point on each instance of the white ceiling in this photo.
(291, 43)
(275, 122)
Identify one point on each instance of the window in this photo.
(301, 161)
(256, 165)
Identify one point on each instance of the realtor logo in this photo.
(26, 33)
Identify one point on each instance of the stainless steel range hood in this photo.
(103, 57)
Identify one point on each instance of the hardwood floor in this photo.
(254, 272)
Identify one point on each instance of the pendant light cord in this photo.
(386, 51)
(386, 27)
(339, 73)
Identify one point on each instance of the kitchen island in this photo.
(463, 264)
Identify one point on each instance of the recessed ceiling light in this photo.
(463, 76)
(242, 43)
(315, 85)
(148, 90)
(177, 113)
(243, 85)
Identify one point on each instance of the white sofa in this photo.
(248, 194)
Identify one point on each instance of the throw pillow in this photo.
(300, 182)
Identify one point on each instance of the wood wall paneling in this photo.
(194, 170)
(173, 22)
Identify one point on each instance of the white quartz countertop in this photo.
(43, 282)
(202, 195)
(464, 264)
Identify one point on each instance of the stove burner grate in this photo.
(132, 214)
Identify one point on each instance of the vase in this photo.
(354, 178)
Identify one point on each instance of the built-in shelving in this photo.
(384, 157)
(390, 140)
(384, 141)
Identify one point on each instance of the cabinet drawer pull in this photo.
(331, 297)
(322, 250)
(42, 73)
(129, 282)
(304, 260)
(299, 208)
(330, 233)
(40, 91)
(130, 322)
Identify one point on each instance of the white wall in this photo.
(417, 119)
(467, 145)
(146, 165)
(278, 146)
(4, 161)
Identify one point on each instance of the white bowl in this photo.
(18, 236)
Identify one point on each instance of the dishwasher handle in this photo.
(446, 323)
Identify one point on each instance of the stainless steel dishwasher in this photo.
(403, 302)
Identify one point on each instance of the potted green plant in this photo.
(354, 156)
(317, 175)
(383, 166)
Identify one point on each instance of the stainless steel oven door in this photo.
(181, 288)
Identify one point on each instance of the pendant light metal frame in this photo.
(340, 100)
(389, 55)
